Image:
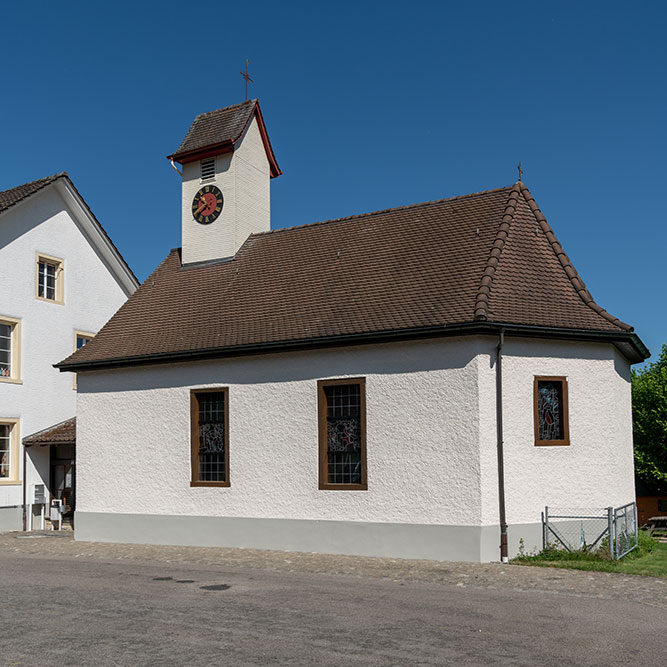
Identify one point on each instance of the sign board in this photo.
(38, 494)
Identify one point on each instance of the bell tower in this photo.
(227, 163)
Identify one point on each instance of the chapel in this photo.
(413, 382)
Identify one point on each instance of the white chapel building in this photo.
(61, 278)
(416, 382)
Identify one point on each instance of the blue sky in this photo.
(368, 105)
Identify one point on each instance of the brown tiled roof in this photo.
(9, 198)
(218, 131)
(62, 433)
(217, 127)
(481, 258)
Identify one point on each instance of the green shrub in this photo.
(645, 545)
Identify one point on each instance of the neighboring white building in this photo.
(61, 278)
(349, 386)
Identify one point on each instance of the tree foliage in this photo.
(649, 419)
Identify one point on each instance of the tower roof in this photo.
(470, 264)
(216, 132)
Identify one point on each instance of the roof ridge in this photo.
(39, 182)
(52, 177)
(380, 211)
(484, 290)
(576, 281)
(227, 108)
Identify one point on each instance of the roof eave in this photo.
(50, 442)
(628, 343)
(115, 262)
(229, 145)
(201, 153)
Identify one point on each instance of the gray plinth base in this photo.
(11, 518)
(394, 540)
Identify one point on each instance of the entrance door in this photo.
(62, 476)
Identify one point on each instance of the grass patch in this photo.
(648, 559)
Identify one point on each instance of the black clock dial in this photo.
(207, 204)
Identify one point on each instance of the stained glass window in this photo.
(211, 437)
(5, 350)
(344, 445)
(5, 442)
(550, 414)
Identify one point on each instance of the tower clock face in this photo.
(207, 204)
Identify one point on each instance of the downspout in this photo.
(25, 518)
(501, 461)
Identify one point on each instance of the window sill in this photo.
(343, 487)
(552, 443)
(222, 484)
(11, 380)
(10, 482)
(41, 298)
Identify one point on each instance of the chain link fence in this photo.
(592, 528)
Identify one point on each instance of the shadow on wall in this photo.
(26, 215)
(391, 358)
(538, 348)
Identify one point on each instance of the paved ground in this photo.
(68, 603)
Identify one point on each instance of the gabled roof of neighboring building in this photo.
(63, 433)
(219, 131)
(462, 265)
(13, 196)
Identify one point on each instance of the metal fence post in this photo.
(545, 527)
(634, 508)
(610, 523)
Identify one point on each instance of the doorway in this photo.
(63, 478)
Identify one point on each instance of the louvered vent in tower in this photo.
(207, 169)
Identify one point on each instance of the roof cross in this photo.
(518, 167)
(246, 77)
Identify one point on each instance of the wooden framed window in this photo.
(551, 411)
(342, 434)
(81, 338)
(10, 350)
(9, 451)
(209, 421)
(50, 277)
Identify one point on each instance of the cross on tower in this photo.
(246, 77)
(519, 168)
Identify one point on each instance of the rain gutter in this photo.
(628, 343)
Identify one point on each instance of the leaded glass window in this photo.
(46, 280)
(210, 446)
(5, 350)
(343, 447)
(551, 411)
(5, 449)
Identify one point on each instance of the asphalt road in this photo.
(79, 612)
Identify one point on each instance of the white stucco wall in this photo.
(244, 179)
(44, 224)
(596, 469)
(431, 440)
(133, 436)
